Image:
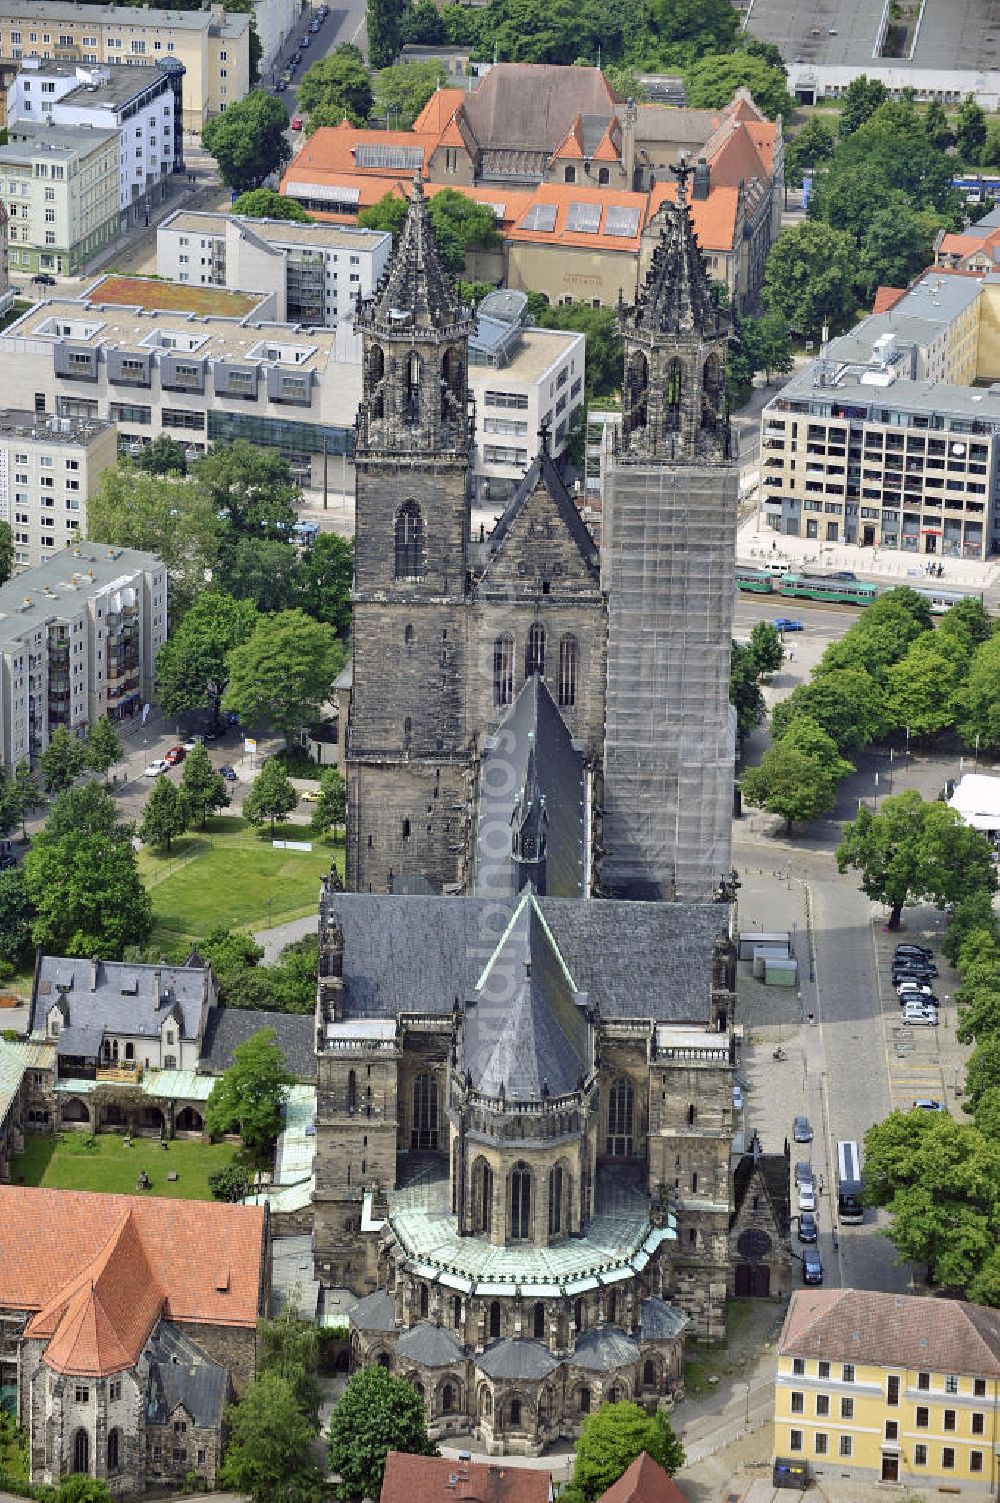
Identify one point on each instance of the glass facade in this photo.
(280, 433)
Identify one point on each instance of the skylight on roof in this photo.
(621, 222)
(405, 158)
(583, 219)
(540, 217)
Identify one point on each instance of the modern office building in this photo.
(212, 44)
(890, 438)
(49, 469)
(316, 272)
(144, 104)
(78, 640)
(61, 187)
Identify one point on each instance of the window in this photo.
(534, 652)
(846, 1445)
(567, 671)
(520, 1203)
(820, 1443)
(795, 1440)
(822, 1405)
(114, 1438)
(949, 1419)
(978, 1424)
(555, 1200)
(822, 1368)
(892, 1390)
(919, 1455)
(798, 1403)
(892, 1430)
(847, 1408)
(569, 175)
(975, 1461)
(409, 541)
(951, 1383)
(847, 1373)
(503, 670)
(621, 1111)
(81, 1451)
(424, 1126)
(922, 1419)
(515, 1411)
(115, 1386)
(979, 1387)
(82, 1394)
(947, 1458)
(482, 1198)
(923, 1380)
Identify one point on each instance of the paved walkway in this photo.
(274, 940)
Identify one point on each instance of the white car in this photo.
(807, 1197)
(920, 1017)
(153, 769)
(913, 989)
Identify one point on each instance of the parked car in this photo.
(812, 1266)
(914, 989)
(808, 1228)
(7, 861)
(310, 796)
(914, 973)
(305, 40)
(785, 623)
(920, 1017)
(807, 1197)
(907, 949)
(227, 772)
(803, 1172)
(296, 59)
(801, 1130)
(175, 756)
(926, 1104)
(918, 999)
(280, 86)
(295, 123)
(153, 769)
(192, 742)
(314, 27)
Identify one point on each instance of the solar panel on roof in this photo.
(621, 222)
(540, 217)
(584, 219)
(405, 158)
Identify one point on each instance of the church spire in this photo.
(416, 293)
(676, 297)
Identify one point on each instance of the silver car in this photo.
(920, 1017)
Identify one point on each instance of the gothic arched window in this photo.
(411, 400)
(495, 1319)
(352, 1091)
(673, 393)
(482, 1197)
(515, 1412)
(81, 1452)
(424, 1123)
(621, 1113)
(534, 652)
(567, 672)
(424, 1302)
(503, 670)
(114, 1450)
(555, 1200)
(539, 1321)
(637, 392)
(710, 392)
(520, 1203)
(409, 541)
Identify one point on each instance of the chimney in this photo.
(702, 179)
(156, 988)
(95, 966)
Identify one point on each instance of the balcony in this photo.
(122, 1073)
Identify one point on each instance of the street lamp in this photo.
(876, 793)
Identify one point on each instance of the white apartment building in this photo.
(49, 469)
(143, 104)
(60, 185)
(212, 44)
(79, 635)
(316, 272)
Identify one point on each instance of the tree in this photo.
(25, 792)
(936, 128)
(233, 1182)
(262, 571)
(423, 24)
(744, 690)
(284, 672)
(324, 580)
(969, 621)
(982, 1073)
(251, 490)
(164, 456)
(265, 203)
(377, 1413)
(766, 648)
(861, 99)
(272, 796)
(460, 223)
(6, 552)
(810, 147)
(330, 809)
(163, 816)
(203, 790)
(974, 915)
(191, 668)
(770, 343)
(270, 1440)
(798, 775)
(605, 350)
(388, 213)
(402, 89)
(912, 850)
(235, 960)
(844, 702)
(977, 701)
(172, 518)
(103, 747)
(611, 1439)
(383, 29)
(289, 1347)
(250, 1097)
(898, 245)
(16, 914)
(689, 29)
(291, 983)
(921, 687)
(970, 131)
(82, 878)
(810, 277)
(248, 141)
(769, 51)
(713, 80)
(339, 82)
(63, 760)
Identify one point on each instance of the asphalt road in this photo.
(344, 24)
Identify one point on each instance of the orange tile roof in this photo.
(735, 159)
(561, 196)
(332, 148)
(370, 189)
(440, 1479)
(886, 298)
(714, 218)
(571, 144)
(645, 1481)
(98, 1270)
(438, 111)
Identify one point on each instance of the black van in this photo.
(788, 1473)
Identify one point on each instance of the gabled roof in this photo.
(660, 1321)
(440, 1479)
(595, 137)
(111, 996)
(376, 1312)
(438, 111)
(893, 1330)
(887, 298)
(431, 1346)
(181, 1375)
(229, 1026)
(531, 105)
(771, 1172)
(604, 1349)
(544, 472)
(416, 291)
(714, 219)
(645, 1481)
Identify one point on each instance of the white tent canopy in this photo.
(977, 799)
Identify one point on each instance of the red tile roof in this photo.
(438, 1479)
(561, 196)
(892, 1330)
(886, 298)
(99, 1269)
(438, 111)
(644, 1482)
(714, 218)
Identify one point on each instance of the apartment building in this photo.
(885, 440)
(212, 44)
(143, 104)
(79, 635)
(315, 272)
(49, 469)
(61, 187)
(890, 1388)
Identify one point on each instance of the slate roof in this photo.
(439, 1479)
(229, 1026)
(80, 1042)
(180, 1373)
(773, 1169)
(645, 1481)
(376, 1312)
(660, 1321)
(407, 954)
(605, 1349)
(543, 470)
(892, 1330)
(526, 1029)
(532, 105)
(431, 1346)
(511, 1358)
(119, 997)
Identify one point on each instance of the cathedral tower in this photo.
(668, 558)
(408, 745)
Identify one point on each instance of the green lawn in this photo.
(75, 1161)
(230, 875)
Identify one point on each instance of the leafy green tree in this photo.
(172, 518)
(6, 552)
(388, 213)
(810, 147)
(624, 82)
(911, 850)
(270, 1438)
(377, 1413)
(810, 277)
(383, 27)
(233, 1182)
(988, 157)
(977, 701)
(80, 1489)
(272, 797)
(978, 996)
(284, 672)
(898, 245)
(936, 128)
(766, 648)
(339, 82)
(324, 580)
(797, 777)
(164, 456)
(546, 31)
(969, 621)
(459, 224)
(292, 982)
(685, 30)
(920, 688)
(982, 1073)
(611, 1439)
(163, 817)
(235, 960)
(262, 571)
(82, 878)
(203, 791)
(744, 690)
(16, 915)
(265, 203)
(423, 24)
(714, 79)
(250, 489)
(250, 1097)
(191, 668)
(771, 343)
(605, 350)
(845, 703)
(769, 51)
(289, 1347)
(248, 141)
(26, 795)
(888, 154)
(860, 100)
(974, 915)
(63, 760)
(970, 131)
(330, 810)
(103, 747)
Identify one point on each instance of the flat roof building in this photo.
(61, 189)
(49, 469)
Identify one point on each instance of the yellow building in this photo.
(890, 1388)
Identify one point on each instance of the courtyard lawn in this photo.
(230, 876)
(76, 1161)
